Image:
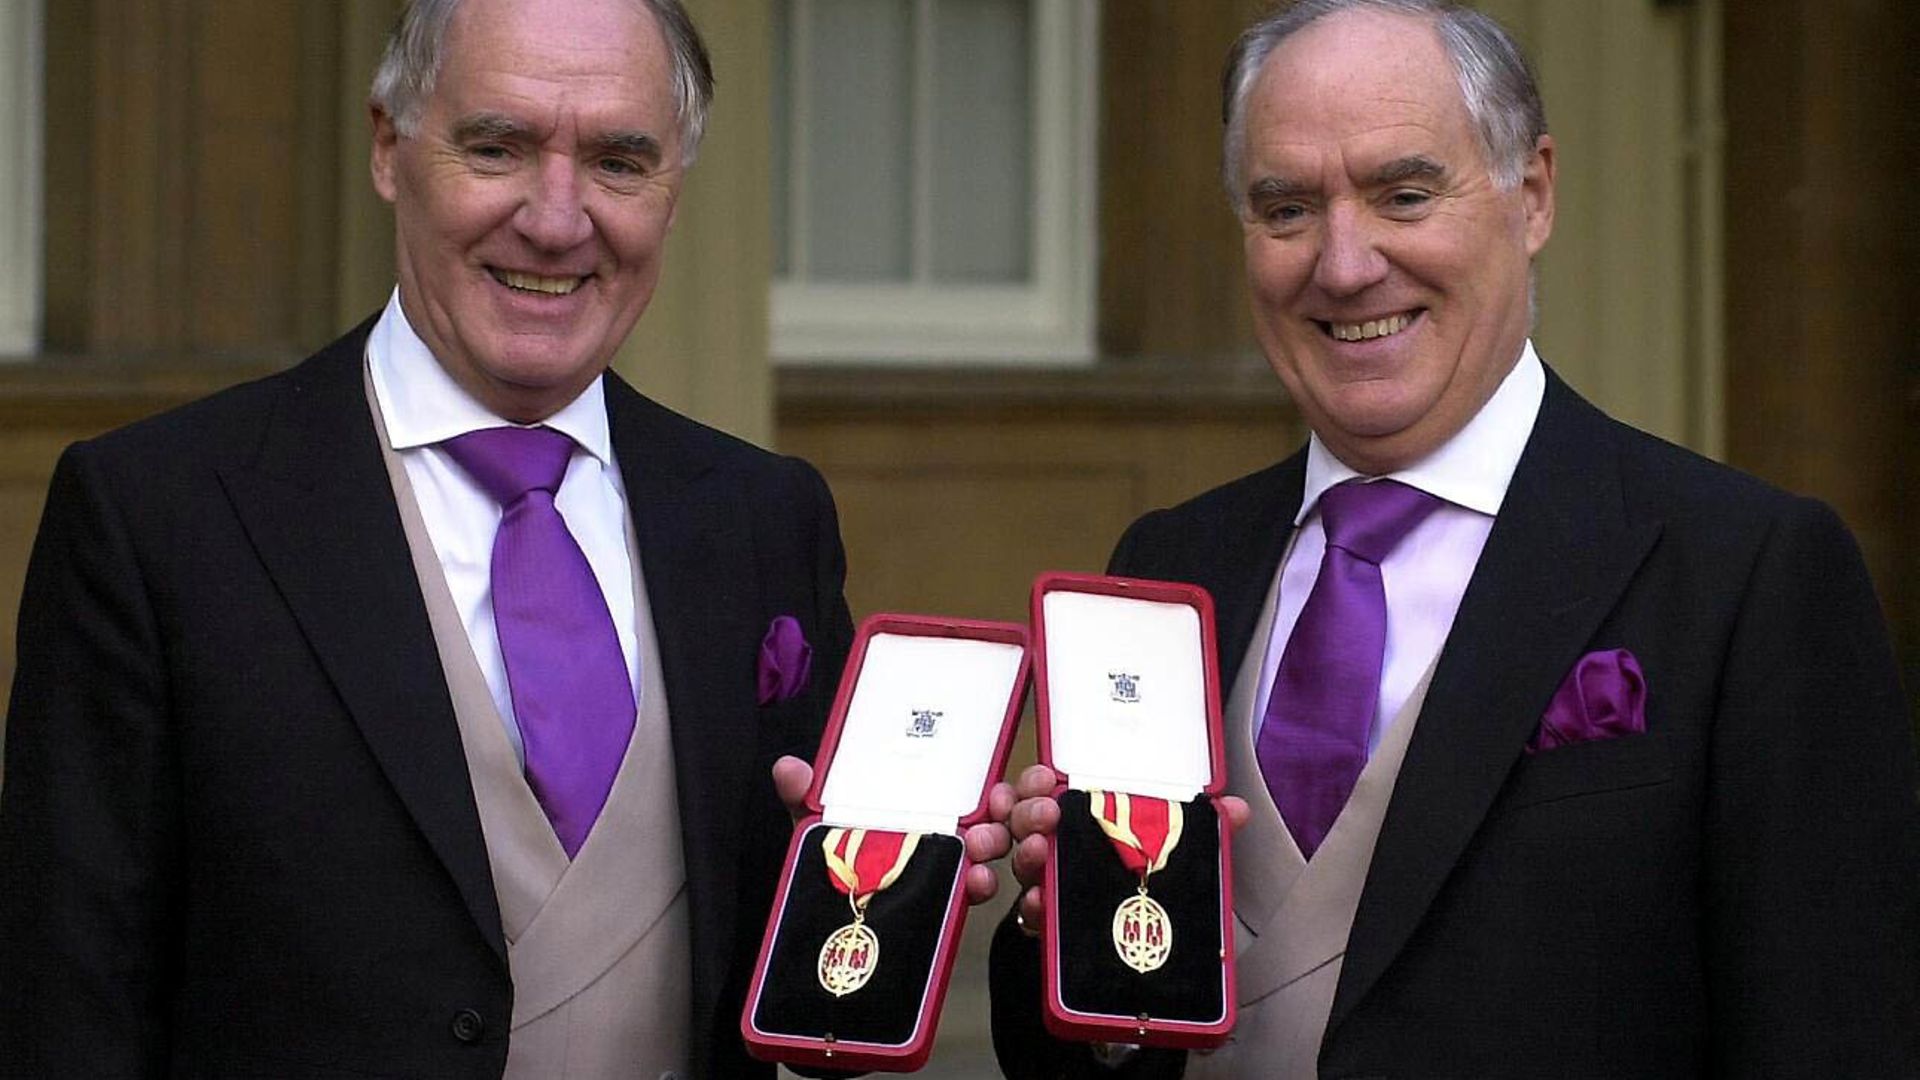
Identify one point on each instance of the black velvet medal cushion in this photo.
(1093, 881)
(906, 917)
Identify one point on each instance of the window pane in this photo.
(982, 117)
(857, 113)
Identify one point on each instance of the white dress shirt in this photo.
(1426, 575)
(423, 406)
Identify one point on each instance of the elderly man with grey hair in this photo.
(1555, 750)
(415, 712)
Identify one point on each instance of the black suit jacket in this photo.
(1735, 893)
(237, 833)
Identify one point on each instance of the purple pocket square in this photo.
(785, 660)
(1604, 697)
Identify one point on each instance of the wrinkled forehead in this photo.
(537, 59)
(557, 38)
(1359, 82)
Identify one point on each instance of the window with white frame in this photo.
(20, 97)
(933, 180)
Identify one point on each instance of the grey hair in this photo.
(1502, 97)
(417, 47)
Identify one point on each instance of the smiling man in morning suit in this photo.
(411, 713)
(1563, 752)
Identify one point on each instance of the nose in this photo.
(1350, 259)
(553, 215)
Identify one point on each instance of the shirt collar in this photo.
(423, 405)
(1473, 468)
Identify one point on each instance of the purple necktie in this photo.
(565, 672)
(1313, 741)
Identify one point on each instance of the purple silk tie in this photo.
(1313, 741)
(568, 679)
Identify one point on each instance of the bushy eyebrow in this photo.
(488, 126)
(1398, 171)
(492, 127)
(1275, 187)
(635, 144)
(1412, 167)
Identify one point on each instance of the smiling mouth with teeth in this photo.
(551, 286)
(1367, 331)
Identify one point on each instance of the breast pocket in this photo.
(1588, 768)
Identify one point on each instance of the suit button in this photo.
(467, 1026)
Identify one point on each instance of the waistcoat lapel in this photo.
(566, 923)
(1304, 927)
(1266, 861)
(1296, 913)
(623, 884)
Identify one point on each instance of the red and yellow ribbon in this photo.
(862, 862)
(1144, 829)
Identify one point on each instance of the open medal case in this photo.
(1129, 717)
(920, 730)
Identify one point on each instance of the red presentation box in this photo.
(919, 732)
(1129, 714)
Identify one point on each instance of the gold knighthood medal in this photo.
(860, 862)
(1144, 830)
(848, 958)
(1141, 932)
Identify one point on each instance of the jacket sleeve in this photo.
(1812, 832)
(88, 812)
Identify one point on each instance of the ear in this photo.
(1536, 193)
(386, 141)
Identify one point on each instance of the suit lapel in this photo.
(696, 551)
(320, 511)
(1241, 572)
(1560, 553)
